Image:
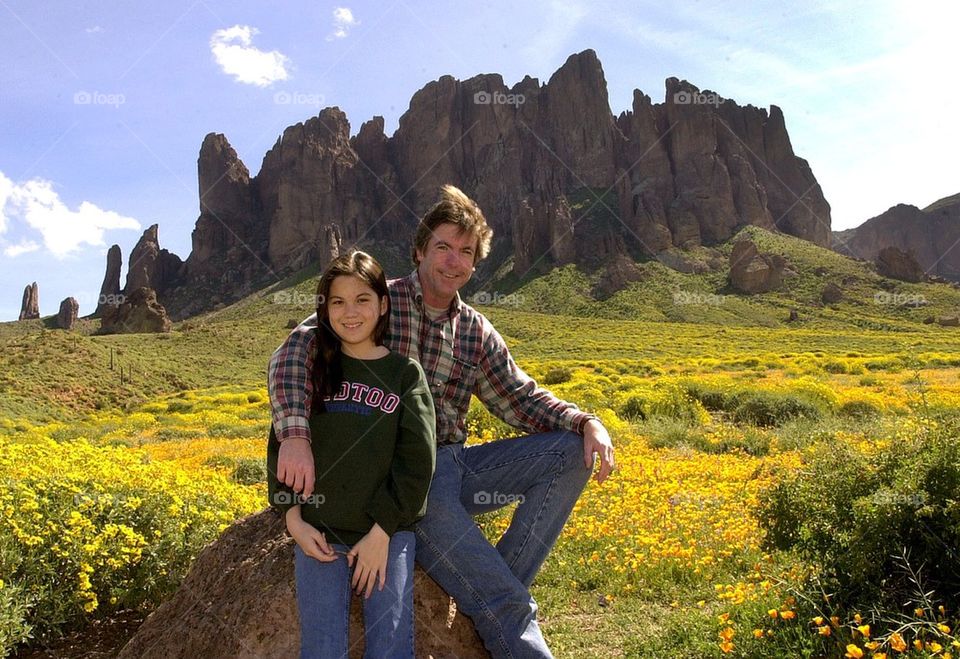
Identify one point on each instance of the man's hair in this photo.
(460, 210)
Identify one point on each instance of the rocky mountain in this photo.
(931, 235)
(559, 178)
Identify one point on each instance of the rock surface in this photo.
(897, 264)
(30, 306)
(239, 601)
(110, 294)
(831, 294)
(67, 316)
(140, 312)
(560, 180)
(932, 235)
(150, 266)
(752, 272)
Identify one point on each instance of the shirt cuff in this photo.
(580, 420)
(292, 426)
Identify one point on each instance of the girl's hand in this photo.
(370, 555)
(311, 541)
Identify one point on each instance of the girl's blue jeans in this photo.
(323, 598)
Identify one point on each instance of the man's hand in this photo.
(370, 555)
(311, 541)
(295, 465)
(596, 439)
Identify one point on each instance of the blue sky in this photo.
(103, 105)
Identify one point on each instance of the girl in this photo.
(373, 428)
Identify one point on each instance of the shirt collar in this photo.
(456, 306)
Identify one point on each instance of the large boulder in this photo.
(67, 316)
(752, 272)
(140, 312)
(30, 306)
(239, 601)
(899, 264)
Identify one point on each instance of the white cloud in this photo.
(93, 30)
(343, 22)
(232, 49)
(37, 205)
(24, 247)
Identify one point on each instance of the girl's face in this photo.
(353, 310)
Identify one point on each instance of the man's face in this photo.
(446, 264)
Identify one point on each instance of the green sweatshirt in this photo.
(374, 449)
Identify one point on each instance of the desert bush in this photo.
(14, 606)
(249, 471)
(880, 523)
(767, 409)
(557, 375)
(86, 530)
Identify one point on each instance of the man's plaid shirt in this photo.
(461, 354)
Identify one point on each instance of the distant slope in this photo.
(51, 374)
(931, 234)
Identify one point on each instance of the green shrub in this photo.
(249, 471)
(558, 375)
(859, 409)
(883, 526)
(14, 608)
(767, 409)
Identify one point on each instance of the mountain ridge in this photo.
(686, 172)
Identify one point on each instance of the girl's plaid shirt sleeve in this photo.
(288, 384)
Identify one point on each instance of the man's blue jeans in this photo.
(323, 598)
(545, 473)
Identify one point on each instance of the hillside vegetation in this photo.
(783, 489)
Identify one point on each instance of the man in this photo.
(462, 354)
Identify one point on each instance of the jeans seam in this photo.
(473, 593)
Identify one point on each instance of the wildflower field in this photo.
(779, 492)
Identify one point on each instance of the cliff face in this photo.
(559, 178)
(932, 235)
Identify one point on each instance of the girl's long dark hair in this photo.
(327, 367)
